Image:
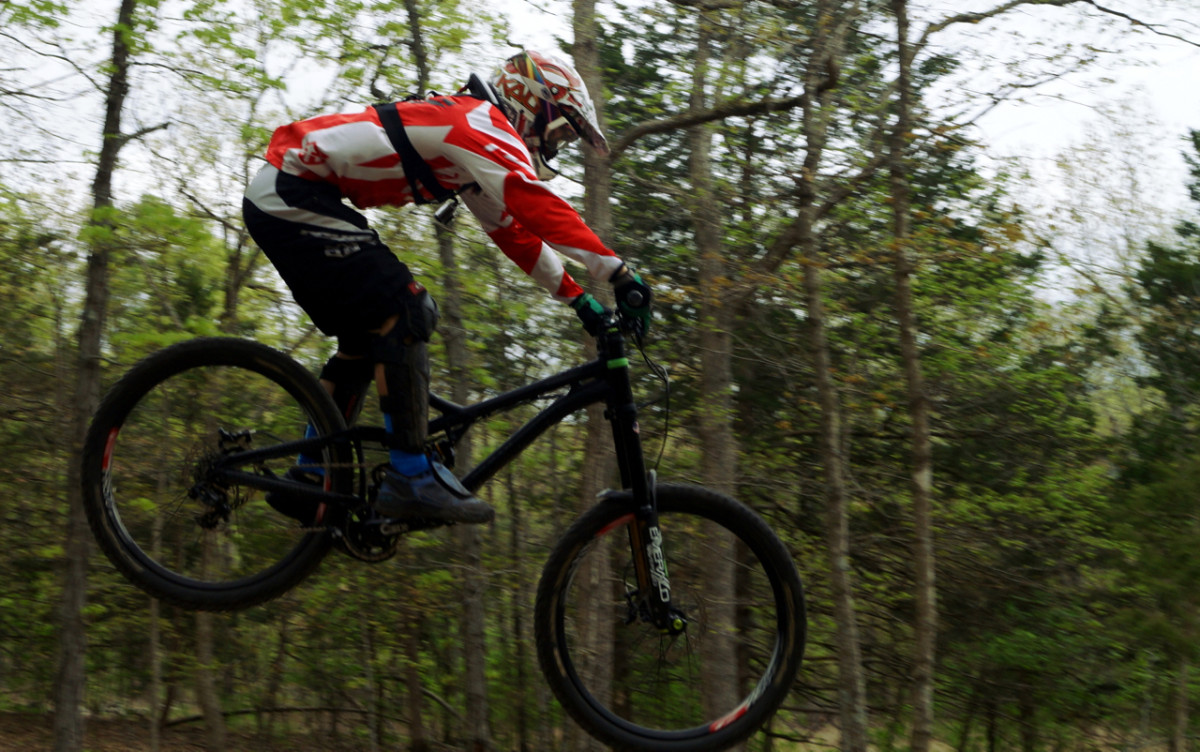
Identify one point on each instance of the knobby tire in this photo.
(636, 689)
(156, 426)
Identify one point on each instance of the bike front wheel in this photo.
(156, 499)
(706, 688)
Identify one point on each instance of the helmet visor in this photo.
(554, 130)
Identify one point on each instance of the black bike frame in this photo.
(606, 379)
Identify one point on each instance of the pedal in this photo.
(394, 528)
(400, 527)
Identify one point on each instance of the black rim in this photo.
(297, 547)
(744, 715)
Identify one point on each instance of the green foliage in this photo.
(167, 282)
(1065, 551)
(41, 267)
(1160, 469)
(34, 14)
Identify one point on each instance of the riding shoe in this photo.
(307, 511)
(433, 495)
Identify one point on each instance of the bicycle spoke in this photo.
(706, 687)
(159, 474)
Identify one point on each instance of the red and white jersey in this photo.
(464, 140)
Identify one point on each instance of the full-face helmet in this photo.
(548, 105)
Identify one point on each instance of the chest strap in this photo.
(416, 170)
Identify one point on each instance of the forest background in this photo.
(962, 388)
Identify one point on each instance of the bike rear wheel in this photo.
(157, 505)
(705, 689)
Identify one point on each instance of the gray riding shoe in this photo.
(432, 495)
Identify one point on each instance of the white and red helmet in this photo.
(548, 104)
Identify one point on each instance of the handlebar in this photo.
(622, 324)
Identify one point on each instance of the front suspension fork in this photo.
(652, 600)
(653, 595)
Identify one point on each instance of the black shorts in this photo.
(348, 282)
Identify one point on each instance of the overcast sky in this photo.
(1158, 76)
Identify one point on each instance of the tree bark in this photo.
(474, 638)
(1027, 716)
(925, 626)
(852, 706)
(852, 701)
(154, 639)
(370, 680)
(719, 446)
(206, 685)
(469, 536)
(816, 112)
(154, 690)
(275, 680)
(69, 682)
(518, 604)
(599, 465)
(1179, 726)
(414, 696)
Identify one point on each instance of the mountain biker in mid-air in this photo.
(490, 144)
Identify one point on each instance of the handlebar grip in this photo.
(634, 298)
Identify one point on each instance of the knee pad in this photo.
(406, 380)
(419, 315)
(350, 378)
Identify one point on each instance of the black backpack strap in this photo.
(416, 170)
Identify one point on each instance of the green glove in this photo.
(633, 295)
(590, 312)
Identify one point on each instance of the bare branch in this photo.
(1006, 94)
(731, 108)
(974, 18)
(1152, 28)
(19, 160)
(62, 55)
(124, 139)
(708, 5)
(206, 211)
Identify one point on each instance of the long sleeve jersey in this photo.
(465, 141)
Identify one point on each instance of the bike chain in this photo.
(349, 536)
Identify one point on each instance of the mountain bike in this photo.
(668, 617)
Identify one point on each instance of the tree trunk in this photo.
(717, 440)
(370, 681)
(518, 603)
(154, 638)
(964, 734)
(474, 638)
(206, 685)
(598, 458)
(154, 690)
(270, 699)
(925, 628)
(469, 536)
(1179, 726)
(410, 626)
(993, 726)
(852, 706)
(1027, 717)
(69, 682)
(852, 701)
